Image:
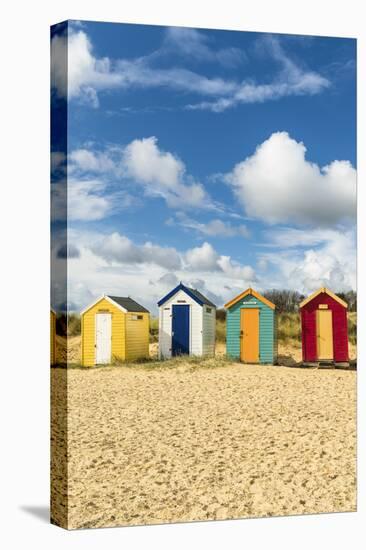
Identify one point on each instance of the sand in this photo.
(197, 443)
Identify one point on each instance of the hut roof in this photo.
(124, 303)
(129, 304)
(325, 291)
(192, 292)
(253, 293)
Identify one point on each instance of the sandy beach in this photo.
(207, 442)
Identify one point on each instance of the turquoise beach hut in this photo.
(251, 333)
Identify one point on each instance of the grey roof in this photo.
(201, 297)
(129, 304)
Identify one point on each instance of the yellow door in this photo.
(249, 335)
(324, 334)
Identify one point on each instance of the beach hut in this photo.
(52, 337)
(187, 323)
(251, 333)
(114, 328)
(324, 328)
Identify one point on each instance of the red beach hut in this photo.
(324, 328)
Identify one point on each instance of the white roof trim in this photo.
(104, 297)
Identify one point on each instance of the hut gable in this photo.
(323, 294)
(193, 293)
(253, 295)
(324, 299)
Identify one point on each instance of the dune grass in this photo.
(220, 330)
(154, 330)
(187, 362)
(352, 327)
(73, 324)
(288, 328)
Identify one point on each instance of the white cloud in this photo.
(278, 184)
(205, 258)
(90, 161)
(310, 259)
(262, 264)
(290, 81)
(201, 286)
(86, 200)
(137, 74)
(236, 271)
(289, 237)
(160, 173)
(202, 258)
(113, 264)
(75, 72)
(118, 248)
(196, 45)
(169, 279)
(88, 74)
(145, 162)
(213, 228)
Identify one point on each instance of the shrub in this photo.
(73, 324)
(154, 330)
(61, 324)
(352, 327)
(288, 327)
(220, 330)
(68, 325)
(285, 300)
(221, 314)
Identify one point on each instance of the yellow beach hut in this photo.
(53, 337)
(114, 328)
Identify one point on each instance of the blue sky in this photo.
(222, 159)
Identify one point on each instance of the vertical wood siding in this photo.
(340, 329)
(275, 338)
(208, 330)
(137, 336)
(165, 325)
(266, 329)
(308, 331)
(88, 333)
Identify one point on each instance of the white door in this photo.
(103, 338)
